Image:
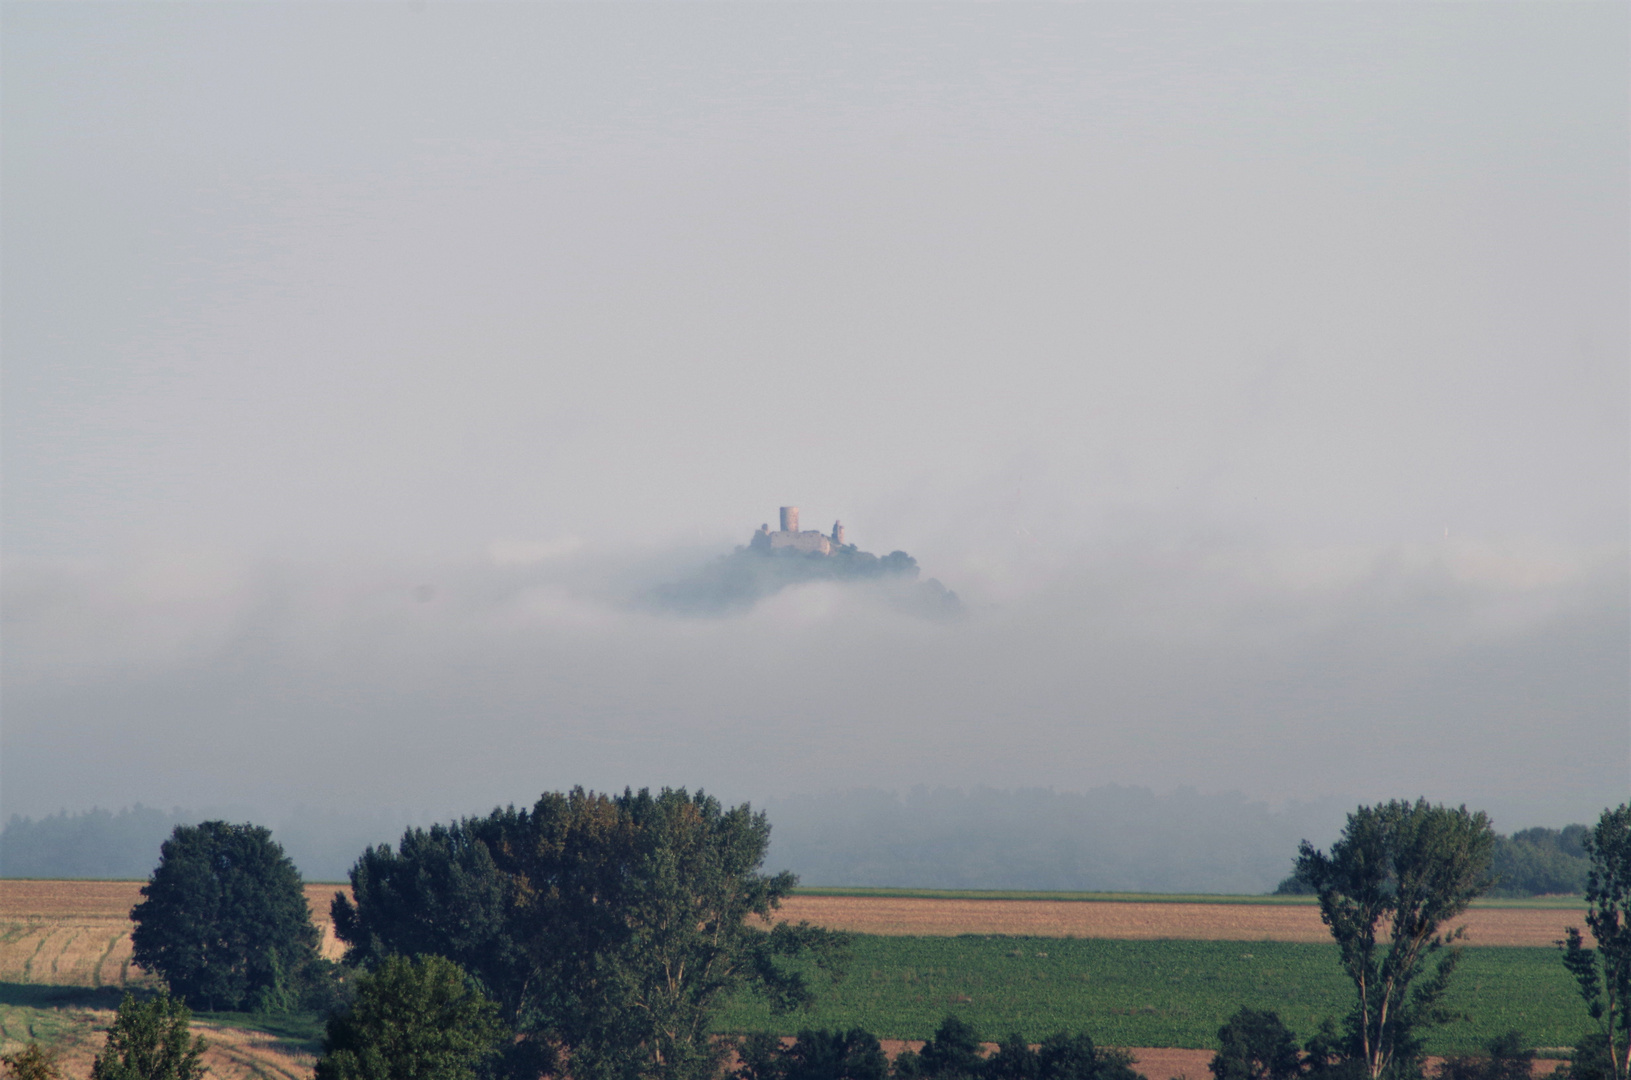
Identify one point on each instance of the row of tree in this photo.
(1411, 869)
(1530, 862)
(596, 936)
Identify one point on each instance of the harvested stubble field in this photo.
(77, 933)
(76, 1022)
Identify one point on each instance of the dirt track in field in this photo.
(1139, 921)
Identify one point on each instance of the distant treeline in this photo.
(1113, 839)
(1532, 862)
(101, 844)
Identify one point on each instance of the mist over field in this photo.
(1110, 839)
(384, 385)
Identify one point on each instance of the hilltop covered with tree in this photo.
(753, 572)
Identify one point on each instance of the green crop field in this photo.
(1152, 993)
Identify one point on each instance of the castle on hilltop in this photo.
(789, 537)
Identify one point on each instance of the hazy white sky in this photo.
(1258, 374)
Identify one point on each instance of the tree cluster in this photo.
(1541, 862)
(1256, 1045)
(226, 924)
(954, 1053)
(412, 1019)
(1530, 862)
(607, 929)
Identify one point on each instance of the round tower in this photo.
(790, 519)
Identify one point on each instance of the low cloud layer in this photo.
(1459, 672)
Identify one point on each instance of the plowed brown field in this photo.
(1137, 921)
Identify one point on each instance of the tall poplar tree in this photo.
(1403, 869)
(1604, 973)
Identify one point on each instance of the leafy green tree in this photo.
(1063, 1056)
(33, 1062)
(1509, 1057)
(1014, 1060)
(608, 927)
(835, 1055)
(1255, 1045)
(1540, 862)
(759, 1057)
(1414, 866)
(451, 891)
(1604, 973)
(225, 922)
(815, 1055)
(412, 1020)
(1326, 1056)
(151, 1040)
(953, 1052)
(1589, 1058)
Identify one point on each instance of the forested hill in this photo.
(734, 583)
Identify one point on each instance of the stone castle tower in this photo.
(790, 537)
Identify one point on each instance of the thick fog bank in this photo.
(1462, 673)
(384, 384)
